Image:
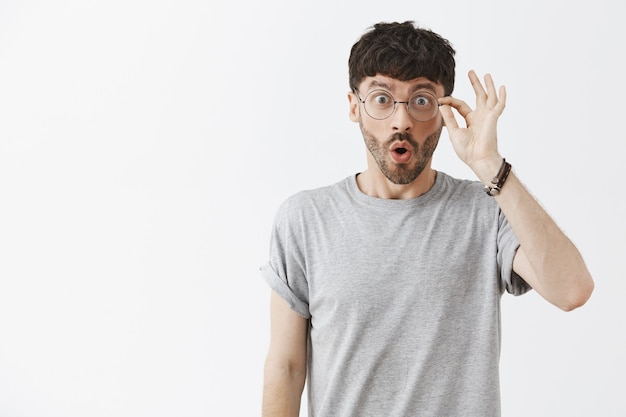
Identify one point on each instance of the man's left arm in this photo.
(546, 259)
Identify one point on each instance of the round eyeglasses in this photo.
(380, 104)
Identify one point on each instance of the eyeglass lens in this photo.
(380, 104)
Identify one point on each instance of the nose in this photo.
(401, 119)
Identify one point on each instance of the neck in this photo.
(375, 184)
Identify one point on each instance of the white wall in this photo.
(145, 145)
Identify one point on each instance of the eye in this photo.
(422, 100)
(380, 99)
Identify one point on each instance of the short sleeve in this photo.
(285, 272)
(507, 248)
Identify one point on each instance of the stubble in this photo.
(401, 174)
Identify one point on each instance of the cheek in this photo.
(378, 127)
(435, 127)
(433, 139)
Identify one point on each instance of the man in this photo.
(387, 285)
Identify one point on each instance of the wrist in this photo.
(497, 182)
(486, 169)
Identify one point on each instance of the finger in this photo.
(492, 96)
(481, 95)
(448, 117)
(462, 107)
(502, 98)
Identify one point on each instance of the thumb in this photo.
(448, 117)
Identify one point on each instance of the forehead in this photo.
(398, 87)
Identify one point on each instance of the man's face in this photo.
(400, 146)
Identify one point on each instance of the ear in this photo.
(354, 107)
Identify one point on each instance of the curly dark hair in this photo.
(402, 51)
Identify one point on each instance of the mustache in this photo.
(403, 136)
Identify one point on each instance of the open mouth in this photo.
(401, 152)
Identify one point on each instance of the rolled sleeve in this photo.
(280, 286)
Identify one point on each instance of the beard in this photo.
(401, 174)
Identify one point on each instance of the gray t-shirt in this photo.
(402, 297)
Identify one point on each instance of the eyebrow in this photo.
(416, 87)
